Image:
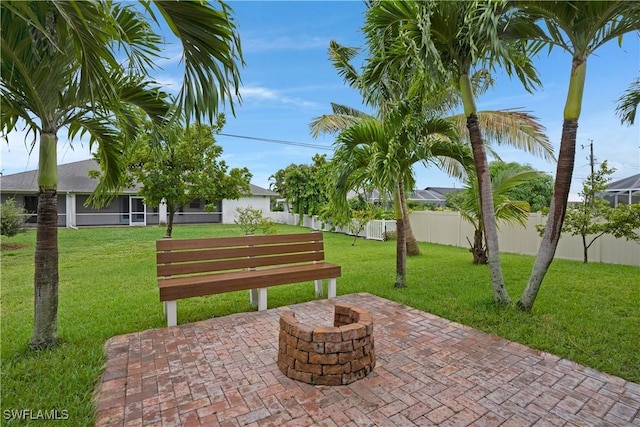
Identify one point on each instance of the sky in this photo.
(288, 81)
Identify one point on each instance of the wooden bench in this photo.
(204, 266)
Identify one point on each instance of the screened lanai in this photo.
(624, 191)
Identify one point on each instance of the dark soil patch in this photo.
(7, 246)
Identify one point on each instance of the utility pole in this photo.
(592, 162)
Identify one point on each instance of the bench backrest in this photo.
(179, 257)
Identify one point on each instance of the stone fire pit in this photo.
(337, 355)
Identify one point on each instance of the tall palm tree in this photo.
(83, 67)
(341, 118)
(372, 152)
(381, 96)
(443, 42)
(579, 28)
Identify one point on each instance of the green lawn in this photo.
(587, 313)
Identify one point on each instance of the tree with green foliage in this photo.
(360, 218)
(595, 217)
(251, 220)
(12, 218)
(441, 43)
(376, 154)
(536, 191)
(305, 187)
(185, 166)
(505, 181)
(83, 68)
(578, 28)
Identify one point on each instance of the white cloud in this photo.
(19, 156)
(262, 94)
(169, 83)
(300, 42)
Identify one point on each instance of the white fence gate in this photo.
(378, 228)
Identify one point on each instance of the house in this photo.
(128, 208)
(624, 191)
(430, 195)
(436, 195)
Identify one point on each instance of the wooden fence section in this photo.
(448, 228)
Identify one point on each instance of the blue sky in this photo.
(288, 80)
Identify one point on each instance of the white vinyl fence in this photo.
(448, 228)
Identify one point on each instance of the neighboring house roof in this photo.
(631, 183)
(437, 194)
(74, 178)
(443, 190)
(428, 195)
(259, 191)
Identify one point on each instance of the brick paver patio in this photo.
(429, 371)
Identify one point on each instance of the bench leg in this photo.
(171, 312)
(262, 299)
(253, 298)
(319, 290)
(332, 288)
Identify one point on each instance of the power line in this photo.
(279, 141)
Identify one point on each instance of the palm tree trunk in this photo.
(551, 236)
(478, 250)
(412, 244)
(486, 194)
(564, 172)
(401, 246)
(488, 213)
(45, 328)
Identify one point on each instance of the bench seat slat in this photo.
(221, 242)
(237, 252)
(236, 264)
(186, 287)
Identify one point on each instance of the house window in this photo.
(195, 204)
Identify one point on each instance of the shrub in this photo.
(390, 235)
(251, 220)
(12, 218)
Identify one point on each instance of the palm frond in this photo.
(211, 54)
(342, 117)
(511, 211)
(628, 103)
(515, 128)
(341, 56)
(110, 147)
(581, 27)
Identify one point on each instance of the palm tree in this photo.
(628, 103)
(579, 28)
(381, 96)
(83, 67)
(515, 128)
(374, 153)
(506, 209)
(341, 118)
(443, 42)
